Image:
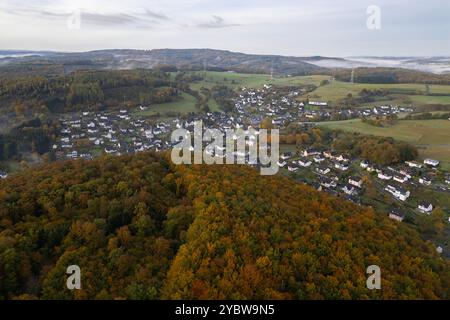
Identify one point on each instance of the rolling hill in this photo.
(191, 59)
(158, 231)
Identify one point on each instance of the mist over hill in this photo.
(219, 60)
(193, 59)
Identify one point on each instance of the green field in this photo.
(432, 137)
(430, 99)
(236, 80)
(337, 90)
(184, 104)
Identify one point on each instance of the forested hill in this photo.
(140, 228)
(186, 59)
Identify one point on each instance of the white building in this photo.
(400, 178)
(425, 181)
(364, 164)
(357, 182)
(425, 207)
(431, 162)
(341, 166)
(281, 164)
(397, 192)
(349, 189)
(396, 215)
(323, 170)
(413, 164)
(304, 163)
(318, 159)
(384, 175)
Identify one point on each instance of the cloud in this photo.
(292, 27)
(143, 18)
(216, 22)
(107, 19)
(155, 15)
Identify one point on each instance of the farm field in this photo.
(236, 80)
(432, 137)
(430, 99)
(337, 90)
(185, 104)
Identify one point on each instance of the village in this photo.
(89, 134)
(340, 175)
(283, 106)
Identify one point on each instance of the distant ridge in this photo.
(220, 60)
(195, 59)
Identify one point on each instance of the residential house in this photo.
(355, 181)
(364, 164)
(328, 154)
(304, 162)
(431, 162)
(425, 180)
(400, 177)
(397, 215)
(399, 193)
(425, 207)
(327, 182)
(292, 167)
(318, 159)
(280, 163)
(385, 175)
(286, 155)
(343, 166)
(407, 172)
(349, 189)
(413, 164)
(323, 170)
(310, 152)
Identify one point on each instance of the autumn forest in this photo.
(141, 228)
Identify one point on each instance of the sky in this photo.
(338, 28)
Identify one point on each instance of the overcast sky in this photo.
(288, 27)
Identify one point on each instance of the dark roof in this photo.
(397, 212)
(325, 179)
(425, 204)
(400, 189)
